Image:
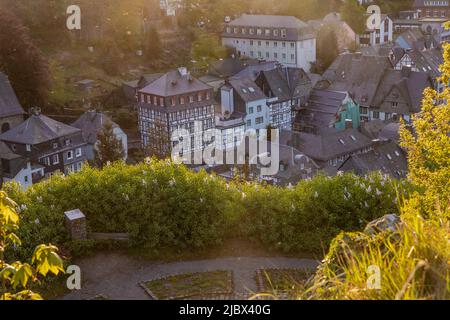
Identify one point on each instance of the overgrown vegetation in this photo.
(161, 204)
(412, 256)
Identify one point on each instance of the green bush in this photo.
(161, 204)
(307, 217)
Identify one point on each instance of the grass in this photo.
(284, 280)
(413, 263)
(191, 285)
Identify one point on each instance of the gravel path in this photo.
(118, 276)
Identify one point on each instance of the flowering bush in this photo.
(161, 204)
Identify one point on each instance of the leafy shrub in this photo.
(308, 216)
(161, 204)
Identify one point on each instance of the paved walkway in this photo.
(118, 276)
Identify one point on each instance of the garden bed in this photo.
(190, 285)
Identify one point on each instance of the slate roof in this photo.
(284, 82)
(174, 83)
(322, 109)
(269, 21)
(91, 123)
(227, 67)
(252, 70)
(388, 158)
(410, 84)
(358, 74)
(247, 90)
(295, 29)
(37, 129)
(9, 104)
(326, 146)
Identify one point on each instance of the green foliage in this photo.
(22, 62)
(307, 217)
(161, 204)
(413, 262)
(17, 274)
(354, 15)
(327, 47)
(108, 148)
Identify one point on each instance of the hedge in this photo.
(161, 204)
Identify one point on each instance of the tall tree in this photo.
(327, 47)
(354, 15)
(428, 141)
(22, 62)
(108, 148)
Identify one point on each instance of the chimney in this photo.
(182, 71)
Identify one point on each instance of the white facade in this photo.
(257, 114)
(298, 54)
(383, 34)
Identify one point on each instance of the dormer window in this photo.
(275, 32)
(191, 99)
(28, 147)
(283, 33)
(251, 31)
(173, 102)
(244, 31)
(67, 142)
(181, 100)
(161, 102)
(267, 32)
(258, 31)
(228, 30)
(55, 145)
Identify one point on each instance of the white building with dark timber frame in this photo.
(175, 100)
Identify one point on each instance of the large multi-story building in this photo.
(432, 8)
(285, 39)
(174, 100)
(48, 145)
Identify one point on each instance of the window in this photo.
(259, 120)
(342, 142)
(28, 147)
(181, 100)
(275, 55)
(172, 101)
(250, 110)
(251, 42)
(275, 44)
(55, 159)
(275, 32)
(292, 45)
(200, 97)
(258, 108)
(283, 55)
(394, 104)
(376, 115)
(69, 155)
(78, 152)
(267, 43)
(283, 33)
(283, 44)
(259, 43)
(292, 57)
(161, 102)
(267, 32)
(244, 31)
(67, 142)
(258, 32)
(249, 123)
(25, 178)
(251, 31)
(267, 54)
